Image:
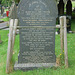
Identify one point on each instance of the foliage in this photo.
(73, 4)
(8, 2)
(73, 25)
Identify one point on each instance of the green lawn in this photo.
(73, 4)
(5, 19)
(53, 71)
(5, 10)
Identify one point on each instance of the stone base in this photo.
(31, 66)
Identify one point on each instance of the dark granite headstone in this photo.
(69, 14)
(37, 19)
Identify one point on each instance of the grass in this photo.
(5, 19)
(46, 71)
(73, 4)
(73, 25)
(5, 10)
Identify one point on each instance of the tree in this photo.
(6, 2)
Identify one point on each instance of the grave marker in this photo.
(13, 11)
(37, 21)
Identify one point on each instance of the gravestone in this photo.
(69, 14)
(13, 11)
(37, 21)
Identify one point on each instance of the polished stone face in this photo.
(37, 19)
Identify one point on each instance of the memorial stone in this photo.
(13, 11)
(69, 14)
(61, 8)
(37, 21)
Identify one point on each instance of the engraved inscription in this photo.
(35, 17)
(37, 39)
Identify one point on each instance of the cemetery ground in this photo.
(5, 19)
(61, 70)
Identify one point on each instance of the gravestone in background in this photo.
(37, 19)
(13, 11)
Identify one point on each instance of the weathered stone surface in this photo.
(13, 11)
(37, 37)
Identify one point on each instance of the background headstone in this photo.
(37, 20)
(69, 14)
(13, 11)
